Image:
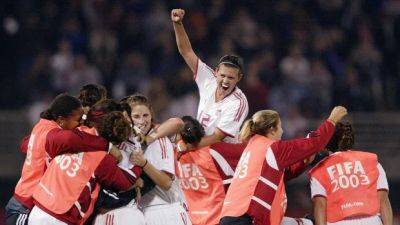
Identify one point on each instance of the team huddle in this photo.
(94, 160)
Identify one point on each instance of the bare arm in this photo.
(182, 40)
(208, 140)
(319, 204)
(168, 128)
(386, 208)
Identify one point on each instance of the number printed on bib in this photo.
(347, 175)
(28, 159)
(70, 164)
(243, 166)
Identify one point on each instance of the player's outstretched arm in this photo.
(168, 128)
(182, 40)
(208, 140)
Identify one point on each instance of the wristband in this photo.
(179, 145)
(110, 145)
(144, 164)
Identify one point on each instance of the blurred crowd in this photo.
(301, 56)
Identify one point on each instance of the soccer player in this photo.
(204, 174)
(349, 186)
(54, 134)
(223, 106)
(257, 192)
(65, 191)
(163, 205)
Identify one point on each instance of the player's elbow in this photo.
(177, 122)
(185, 50)
(166, 185)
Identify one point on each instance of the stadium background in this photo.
(301, 58)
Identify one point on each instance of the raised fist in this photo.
(177, 15)
(337, 114)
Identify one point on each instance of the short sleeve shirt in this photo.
(160, 154)
(226, 115)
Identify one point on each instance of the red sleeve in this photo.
(289, 152)
(23, 147)
(59, 141)
(110, 176)
(230, 152)
(295, 170)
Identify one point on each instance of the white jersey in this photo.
(228, 114)
(160, 154)
(127, 147)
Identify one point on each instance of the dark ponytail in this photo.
(192, 132)
(98, 110)
(347, 141)
(90, 94)
(62, 106)
(342, 139)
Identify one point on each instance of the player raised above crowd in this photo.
(223, 106)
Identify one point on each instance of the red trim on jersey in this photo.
(226, 133)
(183, 217)
(242, 106)
(197, 69)
(161, 142)
(165, 148)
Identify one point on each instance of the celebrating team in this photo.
(96, 160)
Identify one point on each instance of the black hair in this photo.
(232, 61)
(342, 139)
(192, 131)
(62, 106)
(91, 93)
(98, 110)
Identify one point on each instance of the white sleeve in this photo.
(382, 180)
(233, 116)
(316, 188)
(126, 150)
(204, 77)
(165, 156)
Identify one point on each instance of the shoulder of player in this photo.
(237, 99)
(160, 143)
(205, 67)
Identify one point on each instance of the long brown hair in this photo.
(259, 123)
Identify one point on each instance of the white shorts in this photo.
(171, 214)
(372, 220)
(125, 215)
(296, 221)
(40, 217)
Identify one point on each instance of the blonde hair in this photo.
(260, 123)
